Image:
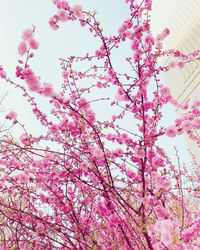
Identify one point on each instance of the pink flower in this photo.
(11, 115)
(118, 152)
(62, 16)
(3, 74)
(140, 153)
(130, 174)
(97, 152)
(181, 64)
(65, 74)
(54, 129)
(196, 123)
(27, 34)
(196, 104)
(77, 10)
(121, 95)
(166, 31)
(22, 48)
(65, 5)
(53, 23)
(24, 139)
(32, 80)
(171, 131)
(47, 89)
(165, 228)
(23, 179)
(33, 43)
(172, 65)
(164, 91)
(157, 161)
(186, 125)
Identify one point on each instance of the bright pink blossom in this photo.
(32, 80)
(33, 43)
(24, 139)
(65, 74)
(3, 74)
(23, 179)
(181, 64)
(65, 5)
(139, 152)
(53, 23)
(171, 131)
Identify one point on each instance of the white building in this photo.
(182, 17)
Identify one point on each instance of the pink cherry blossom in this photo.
(139, 152)
(47, 89)
(22, 48)
(24, 139)
(171, 131)
(92, 173)
(27, 34)
(97, 152)
(186, 125)
(11, 115)
(196, 123)
(165, 228)
(53, 23)
(165, 91)
(3, 74)
(33, 43)
(77, 10)
(172, 65)
(181, 65)
(32, 80)
(62, 16)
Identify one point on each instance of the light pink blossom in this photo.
(47, 89)
(27, 34)
(165, 91)
(171, 131)
(24, 139)
(22, 48)
(181, 64)
(11, 115)
(77, 10)
(53, 23)
(139, 152)
(186, 125)
(172, 65)
(196, 123)
(165, 229)
(97, 152)
(33, 44)
(62, 16)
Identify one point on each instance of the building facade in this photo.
(182, 17)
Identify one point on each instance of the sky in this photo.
(70, 39)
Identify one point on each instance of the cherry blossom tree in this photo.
(90, 183)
